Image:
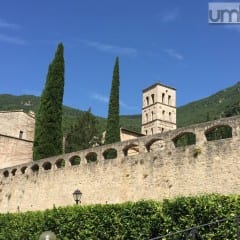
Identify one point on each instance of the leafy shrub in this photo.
(127, 221)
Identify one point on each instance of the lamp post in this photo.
(48, 235)
(77, 194)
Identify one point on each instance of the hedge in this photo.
(140, 220)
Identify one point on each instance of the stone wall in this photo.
(159, 170)
(14, 151)
(17, 124)
(16, 137)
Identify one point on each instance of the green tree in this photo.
(84, 134)
(48, 126)
(113, 128)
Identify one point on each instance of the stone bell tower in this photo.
(159, 109)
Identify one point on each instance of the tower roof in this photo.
(158, 84)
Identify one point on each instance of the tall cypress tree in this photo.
(113, 131)
(48, 126)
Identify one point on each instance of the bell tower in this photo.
(159, 109)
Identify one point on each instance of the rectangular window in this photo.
(20, 134)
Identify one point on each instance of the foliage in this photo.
(48, 126)
(185, 140)
(70, 115)
(197, 152)
(225, 103)
(113, 127)
(84, 134)
(128, 221)
(220, 132)
(131, 122)
(187, 212)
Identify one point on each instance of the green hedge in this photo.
(140, 220)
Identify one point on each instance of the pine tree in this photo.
(113, 128)
(48, 126)
(84, 134)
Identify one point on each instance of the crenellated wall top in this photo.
(98, 155)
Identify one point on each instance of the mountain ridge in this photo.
(224, 103)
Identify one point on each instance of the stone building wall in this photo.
(17, 124)
(14, 151)
(159, 170)
(16, 137)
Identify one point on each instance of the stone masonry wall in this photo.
(14, 151)
(16, 137)
(12, 122)
(159, 170)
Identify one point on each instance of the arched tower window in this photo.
(147, 100)
(169, 100)
(163, 97)
(163, 114)
(152, 115)
(153, 100)
(170, 116)
(146, 117)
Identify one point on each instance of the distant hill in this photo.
(70, 115)
(31, 102)
(224, 103)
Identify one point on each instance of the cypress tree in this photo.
(48, 126)
(113, 128)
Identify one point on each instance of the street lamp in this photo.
(48, 235)
(77, 194)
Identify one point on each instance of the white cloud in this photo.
(104, 47)
(104, 99)
(174, 54)
(5, 24)
(169, 15)
(124, 105)
(100, 97)
(11, 39)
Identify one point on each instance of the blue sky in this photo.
(169, 41)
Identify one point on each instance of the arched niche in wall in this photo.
(184, 139)
(14, 171)
(218, 132)
(23, 169)
(35, 168)
(110, 153)
(47, 165)
(60, 163)
(75, 160)
(131, 149)
(155, 144)
(91, 157)
(6, 173)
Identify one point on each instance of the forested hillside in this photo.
(224, 103)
